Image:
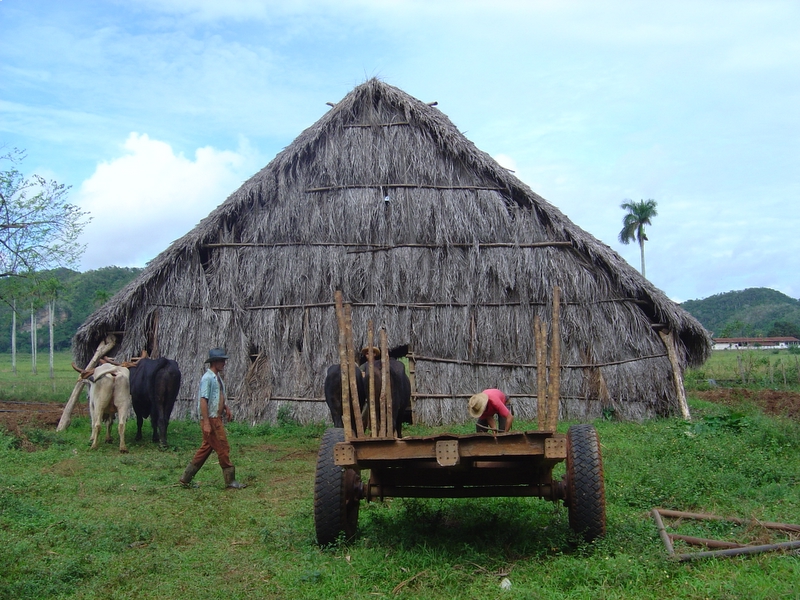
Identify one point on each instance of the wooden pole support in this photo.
(540, 339)
(554, 386)
(677, 379)
(102, 349)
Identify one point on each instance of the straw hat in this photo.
(375, 351)
(477, 404)
(216, 354)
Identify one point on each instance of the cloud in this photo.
(506, 162)
(145, 199)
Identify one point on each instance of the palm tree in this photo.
(639, 215)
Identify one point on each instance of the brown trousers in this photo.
(216, 440)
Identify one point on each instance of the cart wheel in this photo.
(335, 499)
(586, 497)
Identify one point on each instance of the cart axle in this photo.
(554, 491)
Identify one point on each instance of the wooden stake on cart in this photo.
(343, 367)
(540, 339)
(351, 371)
(387, 428)
(373, 416)
(66, 415)
(554, 384)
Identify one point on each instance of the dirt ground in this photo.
(17, 417)
(786, 404)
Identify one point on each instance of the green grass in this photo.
(26, 385)
(771, 369)
(83, 524)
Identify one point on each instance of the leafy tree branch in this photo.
(39, 229)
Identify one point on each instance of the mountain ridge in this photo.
(752, 312)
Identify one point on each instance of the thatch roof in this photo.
(427, 236)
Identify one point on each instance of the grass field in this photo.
(26, 385)
(83, 524)
(773, 369)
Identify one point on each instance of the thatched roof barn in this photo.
(427, 236)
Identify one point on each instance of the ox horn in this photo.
(85, 373)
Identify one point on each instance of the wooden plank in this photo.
(470, 446)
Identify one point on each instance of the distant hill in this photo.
(752, 312)
(79, 295)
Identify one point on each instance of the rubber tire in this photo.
(585, 488)
(335, 510)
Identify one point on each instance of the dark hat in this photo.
(216, 354)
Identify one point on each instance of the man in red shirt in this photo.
(485, 406)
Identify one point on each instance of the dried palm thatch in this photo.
(426, 236)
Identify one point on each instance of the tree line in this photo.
(65, 295)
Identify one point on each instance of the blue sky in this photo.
(155, 111)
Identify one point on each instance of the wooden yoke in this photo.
(343, 367)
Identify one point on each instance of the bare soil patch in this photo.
(17, 417)
(770, 402)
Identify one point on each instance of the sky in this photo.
(154, 111)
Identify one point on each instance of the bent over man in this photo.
(485, 405)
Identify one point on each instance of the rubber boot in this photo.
(186, 478)
(230, 479)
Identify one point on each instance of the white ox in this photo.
(109, 394)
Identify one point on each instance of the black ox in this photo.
(400, 388)
(333, 394)
(154, 388)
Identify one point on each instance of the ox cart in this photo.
(514, 464)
